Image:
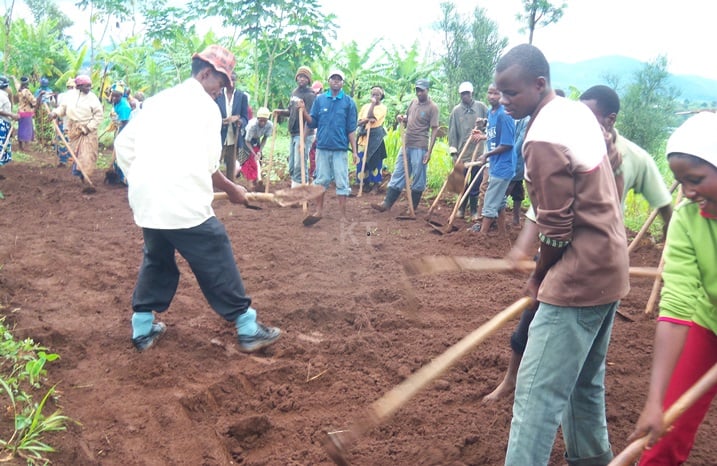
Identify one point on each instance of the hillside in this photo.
(587, 73)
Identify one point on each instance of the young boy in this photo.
(686, 334)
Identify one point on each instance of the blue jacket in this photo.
(335, 118)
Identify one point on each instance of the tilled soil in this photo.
(354, 328)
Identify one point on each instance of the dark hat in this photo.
(24, 80)
(423, 84)
(4, 82)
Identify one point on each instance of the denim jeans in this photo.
(416, 169)
(495, 197)
(295, 161)
(561, 383)
(333, 165)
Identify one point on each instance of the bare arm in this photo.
(236, 192)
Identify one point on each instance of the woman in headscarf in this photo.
(26, 110)
(372, 115)
(6, 117)
(84, 114)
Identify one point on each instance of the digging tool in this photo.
(72, 153)
(436, 264)
(338, 444)
(449, 228)
(271, 155)
(683, 403)
(363, 159)
(445, 184)
(302, 148)
(648, 222)
(283, 197)
(406, 171)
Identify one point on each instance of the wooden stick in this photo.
(407, 176)
(654, 293)
(302, 148)
(271, 155)
(381, 409)
(363, 159)
(646, 225)
(683, 403)
(72, 153)
(445, 183)
(464, 196)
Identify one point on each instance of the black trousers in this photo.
(208, 252)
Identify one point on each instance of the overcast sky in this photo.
(641, 29)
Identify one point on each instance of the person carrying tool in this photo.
(171, 183)
(306, 94)
(460, 128)
(685, 345)
(372, 115)
(6, 119)
(420, 118)
(258, 131)
(84, 113)
(501, 160)
(62, 153)
(334, 117)
(577, 206)
(234, 106)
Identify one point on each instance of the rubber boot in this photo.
(390, 199)
(473, 206)
(416, 198)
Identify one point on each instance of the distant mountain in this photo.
(585, 74)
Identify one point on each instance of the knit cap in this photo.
(305, 70)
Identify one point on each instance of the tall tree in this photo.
(104, 12)
(472, 48)
(277, 30)
(647, 110)
(47, 9)
(539, 13)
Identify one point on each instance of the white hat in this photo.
(696, 136)
(465, 87)
(336, 73)
(263, 113)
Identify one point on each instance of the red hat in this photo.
(220, 58)
(82, 79)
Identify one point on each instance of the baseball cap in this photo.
(318, 85)
(697, 136)
(336, 73)
(220, 58)
(423, 84)
(465, 87)
(263, 112)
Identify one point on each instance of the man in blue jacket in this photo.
(233, 122)
(334, 114)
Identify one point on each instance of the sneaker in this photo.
(146, 341)
(264, 337)
(379, 207)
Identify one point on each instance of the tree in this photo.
(539, 13)
(47, 9)
(103, 11)
(472, 49)
(277, 29)
(647, 110)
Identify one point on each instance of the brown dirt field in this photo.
(351, 333)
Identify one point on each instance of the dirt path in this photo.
(69, 262)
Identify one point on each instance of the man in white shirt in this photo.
(171, 160)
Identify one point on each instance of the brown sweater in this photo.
(576, 201)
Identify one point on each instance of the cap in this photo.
(423, 84)
(697, 136)
(305, 70)
(24, 80)
(70, 83)
(338, 73)
(317, 86)
(465, 87)
(118, 87)
(82, 79)
(4, 82)
(220, 58)
(263, 112)
(44, 81)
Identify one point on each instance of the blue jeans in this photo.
(561, 383)
(333, 165)
(416, 169)
(295, 161)
(495, 197)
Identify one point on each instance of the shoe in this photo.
(264, 337)
(379, 207)
(146, 341)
